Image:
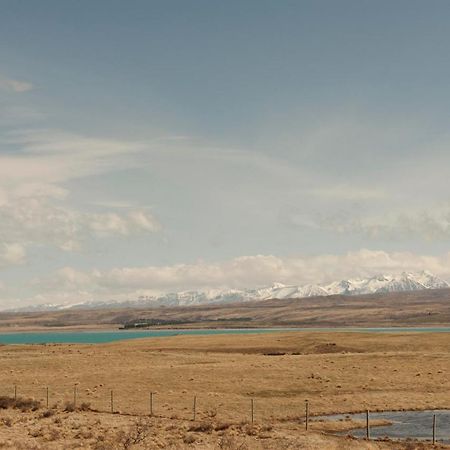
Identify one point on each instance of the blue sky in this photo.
(153, 146)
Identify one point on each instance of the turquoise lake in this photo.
(99, 337)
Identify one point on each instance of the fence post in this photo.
(253, 411)
(367, 425)
(15, 392)
(47, 396)
(195, 407)
(434, 429)
(112, 402)
(306, 414)
(151, 403)
(75, 396)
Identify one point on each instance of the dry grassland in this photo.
(336, 372)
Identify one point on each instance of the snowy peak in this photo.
(360, 286)
(430, 281)
(402, 282)
(386, 283)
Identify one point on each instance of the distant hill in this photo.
(404, 282)
(425, 307)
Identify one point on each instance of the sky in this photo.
(159, 146)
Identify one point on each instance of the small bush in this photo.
(53, 435)
(136, 435)
(189, 439)
(24, 404)
(48, 413)
(6, 402)
(203, 427)
(85, 406)
(222, 426)
(250, 430)
(69, 407)
(212, 413)
(231, 443)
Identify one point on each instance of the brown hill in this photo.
(419, 308)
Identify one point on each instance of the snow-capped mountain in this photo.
(379, 284)
(387, 283)
(360, 286)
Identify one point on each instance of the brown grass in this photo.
(370, 371)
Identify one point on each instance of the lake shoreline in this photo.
(107, 335)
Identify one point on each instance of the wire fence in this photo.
(128, 400)
(176, 405)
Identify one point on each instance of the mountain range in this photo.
(379, 284)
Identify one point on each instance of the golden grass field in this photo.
(335, 372)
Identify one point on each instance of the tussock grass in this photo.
(24, 404)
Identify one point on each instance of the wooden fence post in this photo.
(112, 402)
(195, 407)
(75, 396)
(253, 411)
(151, 403)
(306, 414)
(15, 392)
(47, 396)
(434, 429)
(367, 425)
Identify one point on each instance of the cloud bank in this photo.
(70, 284)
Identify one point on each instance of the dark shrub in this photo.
(24, 404)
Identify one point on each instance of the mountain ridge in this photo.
(406, 281)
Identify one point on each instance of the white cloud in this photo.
(36, 220)
(242, 272)
(431, 224)
(142, 220)
(11, 85)
(115, 224)
(12, 254)
(34, 207)
(53, 156)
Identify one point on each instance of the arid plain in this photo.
(335, 372)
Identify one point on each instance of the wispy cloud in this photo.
(12, 85)
(35, 208)
(57, 156)
(431, 224)
(38, 221)
(12, 254)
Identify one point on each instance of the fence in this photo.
(131, 401)
(185, 405)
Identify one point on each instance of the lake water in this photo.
(98, 337)
(405, 424)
